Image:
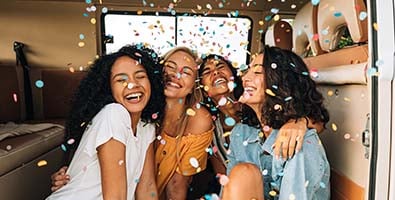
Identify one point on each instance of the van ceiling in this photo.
(284, 6)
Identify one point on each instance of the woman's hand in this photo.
(290, 138)
(59, 179)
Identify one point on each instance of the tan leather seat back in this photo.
(303, 31)
(279, 35)
(334, 14)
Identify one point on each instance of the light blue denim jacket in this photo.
(303, 177)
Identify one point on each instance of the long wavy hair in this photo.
(296, 95)
(237, 91)
(94, 91)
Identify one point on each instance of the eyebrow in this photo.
(119, 74)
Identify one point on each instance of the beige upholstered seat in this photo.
(280, 35)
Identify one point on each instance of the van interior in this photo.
(47, 47)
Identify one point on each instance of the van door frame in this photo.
(382, 58)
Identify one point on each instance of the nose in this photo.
(247, 76)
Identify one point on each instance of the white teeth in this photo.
(219, 81)
(134, 95)
(247, 89)
(174, 84)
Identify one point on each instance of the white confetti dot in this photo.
(194, 162)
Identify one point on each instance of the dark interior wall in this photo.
(50, 31)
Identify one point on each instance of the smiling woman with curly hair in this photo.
(112, 123)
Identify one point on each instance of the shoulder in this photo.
(201, 122)
(113, 112)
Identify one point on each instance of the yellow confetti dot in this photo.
(191, 112)
(375, 26)
(330, 93)
(276, 17)
(81, 44)
(272, 193)
(71, 69)
(261, 134)
(270, 92)
(334, 127)
(42, 163)
(226, 134)
(347, 99)
(198, 169)
(124, 84)
(93, 21)
(261, 22)
(235, 64)
(139, 12)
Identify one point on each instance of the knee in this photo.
(245, 170)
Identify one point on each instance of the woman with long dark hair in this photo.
(277, 87)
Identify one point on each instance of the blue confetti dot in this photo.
(180, 101)
(229, 121)
(85, 15)
(322, 185)
(228, 45)
(88, 1)
(173, 12)
(274, 10)
(268, 18)
(63, 147)
(82, 36)
(363, 15)
(104, 10)
(315, 2)
(325, 32)
(337, 14)
(305, 73)
(39, 83)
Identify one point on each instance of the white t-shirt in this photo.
(113, 121)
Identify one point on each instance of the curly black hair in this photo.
(94, 91)
(296, 95)
(237, 91)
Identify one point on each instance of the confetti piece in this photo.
(82, 36)
(288, 99)
(261, 134)
(334, 127)
(362, 15)
(265, 172)
(191, 112)
(277, 107)
(137, 180)
(223, 180)
(376, 26)
(71, 69)
(226, 134)
(337, 14)
(274, 10)
(270, 92)
(261, 22)
(70, 141)
(306, 183)
(39, 84)
(330, 93)
(15, 97)
(8, 147)
(276, 17)
(347, 136)
(163, 142)
(194, 162)
(81, 44)
(229, 121)
(292, 197)
(272, 193)
(379, 63)
(154, 116)
(231, 85)
(120, 162)
(347, 99)
(245, 143)
(42, 163)
(315, 2)
(273, 65)
(293, 6)
(63, 147)
(93, 21)
(322, 185)
(222, 101)
(275, 87)
(88, 1)
(104, 10)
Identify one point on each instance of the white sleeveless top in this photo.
(113, 121)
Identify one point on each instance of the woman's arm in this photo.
(177, 187)
(146, 188)
(113, 171)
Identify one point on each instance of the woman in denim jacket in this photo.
(277, 87)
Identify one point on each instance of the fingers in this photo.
(299, 140)
(292, 144)
(59, 179)
(284, 148)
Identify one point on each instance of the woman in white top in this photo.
(111, 122)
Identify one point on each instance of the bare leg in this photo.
(245, 182)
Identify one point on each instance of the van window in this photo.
(224, 35)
